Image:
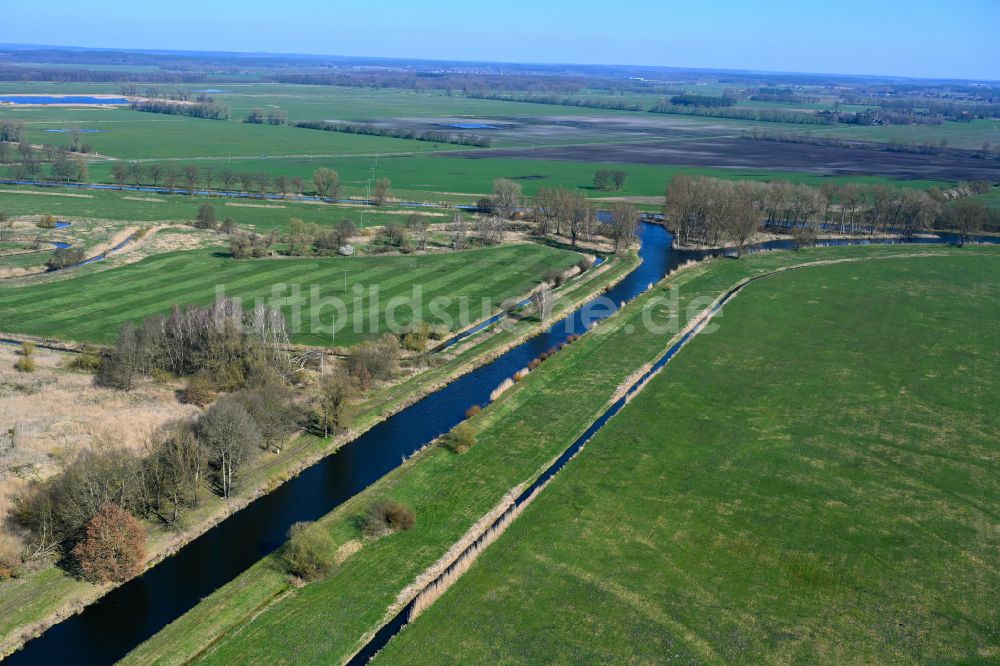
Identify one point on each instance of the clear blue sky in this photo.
(959, 39)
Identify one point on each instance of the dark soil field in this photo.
(732, 152)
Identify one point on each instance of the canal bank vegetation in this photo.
(261, 615)
(39, 597)
(780, 493)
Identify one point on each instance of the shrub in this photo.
(310, 552)
(416, 338)
(803, 237)
(161, 376)
(88, 360)
(206, 217)
(554, 276)
(64, 257)
(472, 411)
(27, 348)
(386, 517)
(374, 360)
(25, 364)
(461, 438)
(508, 306)
(10, 561)
(47, 222)
(113, 548)
(199, 390)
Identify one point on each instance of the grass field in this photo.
(92, 307)
(816, 482)
(262, 617)
(126, 206)
(137, 135)
(133, 135)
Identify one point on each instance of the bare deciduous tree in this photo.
(507, 197)
(623, 226)
(327, 183)
(230, 437)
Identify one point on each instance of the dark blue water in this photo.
(105, 631)
(67, 99)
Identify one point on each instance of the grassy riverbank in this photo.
(812, 483)
(41, 598)
(262, 617)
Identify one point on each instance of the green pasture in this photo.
(91, 307)
(814, 482)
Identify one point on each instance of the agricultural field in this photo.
(796, 486)
(134, 135)
(91, 307)
(534, 134)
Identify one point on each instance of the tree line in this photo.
(269, 117)
(375, 130)
(709, 211)
(760, 115)
(708, 101)
(987, 151)
(559, 100)
(207, 110)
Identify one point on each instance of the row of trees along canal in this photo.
(713, 212)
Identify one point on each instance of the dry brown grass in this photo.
(56, 413)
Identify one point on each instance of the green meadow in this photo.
(814, 482)
(91, 307)
(126, 206)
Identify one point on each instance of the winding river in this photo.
(108, 629)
